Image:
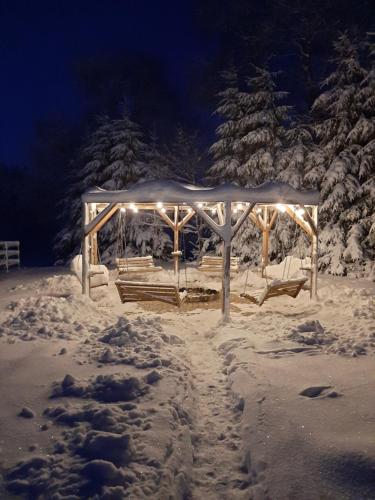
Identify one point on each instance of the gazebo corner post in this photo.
(227, 248)
(176, 257)
(314, 256)
(85, 251)
(265, 241)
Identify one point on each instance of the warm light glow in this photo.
(163, 210)
(159, 204)
(300, 212)
(190, 210)
(132, 206)
(235, 210)
(135, 210)
(239, 206)
(280, 207)
(123, 210)
(213, 210)
(200, 205)
(258, 210)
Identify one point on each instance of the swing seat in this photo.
(137, 265)
(140, 291)
(275, 288)
(98, 273)
(214, 264)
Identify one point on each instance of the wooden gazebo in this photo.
(176, 203)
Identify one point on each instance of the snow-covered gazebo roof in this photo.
(174, 192)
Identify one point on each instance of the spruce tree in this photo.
(113, 157)
(335, 166)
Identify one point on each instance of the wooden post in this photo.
(265, 241)
(314, 257)
(227, 236)
(93, 239)
(85, 252)
(176, 256)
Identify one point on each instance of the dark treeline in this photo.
(170, 131)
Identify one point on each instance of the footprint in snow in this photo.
(319, 391)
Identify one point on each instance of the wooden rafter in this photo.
(299, 221)
(241, 220)
(310, 221)
(98, 222)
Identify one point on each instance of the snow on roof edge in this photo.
(169, 191)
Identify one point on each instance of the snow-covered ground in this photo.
(108, 401)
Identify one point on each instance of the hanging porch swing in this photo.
(170, 293)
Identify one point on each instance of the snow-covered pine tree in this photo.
(224, 150)
(184, 156)
(113, 157)
(337, 112)
(294, 162)
(250, 141)
(360, 248)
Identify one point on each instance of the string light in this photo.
(280, 207)
(300, 212)
(159, 204)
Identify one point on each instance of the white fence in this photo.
(9, 254)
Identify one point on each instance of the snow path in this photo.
(216, 439)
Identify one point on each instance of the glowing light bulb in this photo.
(258, 210)
(123, 210)
(132, 206)
(213, 210)
(235, 210)
(280, 207)
(163, 210)
(135, 209)
(159, 204)
(239, 206)
(300, 212)
(200, 205)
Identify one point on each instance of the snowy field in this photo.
(108, 401)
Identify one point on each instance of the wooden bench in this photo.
(137, 265)
(214, 264)
(139, 291)
(274, 289)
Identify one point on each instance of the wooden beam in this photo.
(256, 221)
(85, 252)
(225, 309)
(186, 219)
(299, 221)
(166, 218)
(220, 214)
(241, 220)
(314, 257)
(273, 218)
(100, 219)
(219, 230)
(310, 221)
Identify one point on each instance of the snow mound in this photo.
(141, 342)
(47, 316)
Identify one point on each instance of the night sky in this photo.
(41, 41)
